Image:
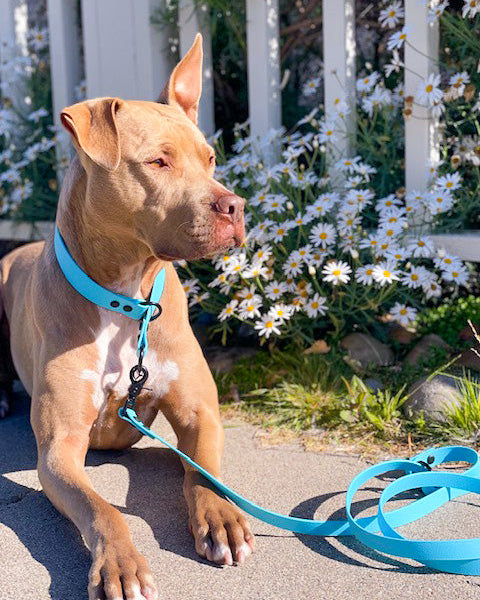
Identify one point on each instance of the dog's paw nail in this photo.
(150, 593)
(243, 552)
(222, 554)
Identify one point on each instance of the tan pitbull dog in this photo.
(140, 194)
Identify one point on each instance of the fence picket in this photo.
(421, 129)
(65, 65)
(191, 20)
(125, 55)
(263, 48)
(339, 65)
(13, 30)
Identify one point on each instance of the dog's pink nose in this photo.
(230, 205)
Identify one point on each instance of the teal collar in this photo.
(145, 310)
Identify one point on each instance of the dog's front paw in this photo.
(119, 572)
(221, 531)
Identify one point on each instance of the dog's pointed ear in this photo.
(92, 125)
(185, 85)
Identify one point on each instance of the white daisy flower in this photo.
(249, 309)
(449, 182)
(257, 269)
(322, 234)
(275, 290)
(440, 201)
(428, 91)
(421, 247)
(432, 289)
(197, 298)
(236, 265)
(228, 311)
(396, 40)
(191, 286)
(311, 86)
(385, 272)
(262, 254)
(470, 8)
(458, 275)
(416, 277)
(305, 253)
(458, 82)
(274, 203)
(316, 306)
(328, 132)
(446, 261)
(281, 312)
(336, 272)
(266, 326)
(391, 16)
(279, 231)
(403, 314)
(367, 83)
(364, 274)
(293, 265)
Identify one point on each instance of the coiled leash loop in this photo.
(378, 532)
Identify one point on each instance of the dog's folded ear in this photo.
(92, 125)
(185, 85)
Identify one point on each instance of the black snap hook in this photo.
(138, 375)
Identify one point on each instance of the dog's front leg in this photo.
(222, 533)
(62, 432)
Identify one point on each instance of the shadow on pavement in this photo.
(322, 545)
(154, 494)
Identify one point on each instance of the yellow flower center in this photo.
(403, 311)
(414, 277)
(386, 273)
(269, 324)
(391, 13)
(337, 272)
(323, 236)
(429, 88)
(314, 304)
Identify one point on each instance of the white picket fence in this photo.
(125, 55)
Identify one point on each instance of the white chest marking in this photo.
(116, 348)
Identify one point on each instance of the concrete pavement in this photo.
(42, 555)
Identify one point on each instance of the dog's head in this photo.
(150, 171)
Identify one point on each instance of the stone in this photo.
(222, 359)
(469, 359)
(432, 398)
(398, 333)
(367, 350)
(467, 334)
(422, 350)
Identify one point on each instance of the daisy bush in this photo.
(334, 242)
(324, 254)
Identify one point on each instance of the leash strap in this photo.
(379, 532)
(91, 290)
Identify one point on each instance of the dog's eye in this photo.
(160, 162)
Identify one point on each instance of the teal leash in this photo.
(378, 532)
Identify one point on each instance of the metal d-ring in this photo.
(156, 305)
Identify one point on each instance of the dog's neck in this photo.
(110, 255)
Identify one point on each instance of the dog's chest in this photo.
(115, 345)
